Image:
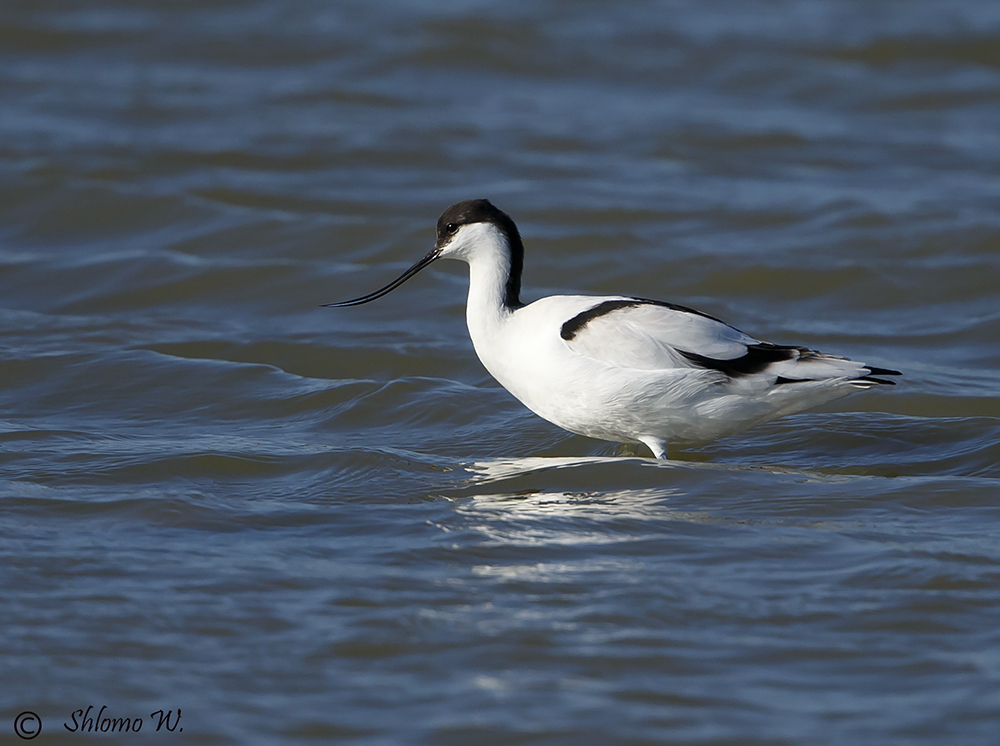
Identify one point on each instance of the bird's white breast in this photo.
(583, 394)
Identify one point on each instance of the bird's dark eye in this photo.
(451, 227)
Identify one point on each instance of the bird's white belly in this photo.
(593, 398)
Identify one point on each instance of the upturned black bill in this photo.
(431, 256)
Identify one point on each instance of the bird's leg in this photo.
(657, 446)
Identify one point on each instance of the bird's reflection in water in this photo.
(521, 502)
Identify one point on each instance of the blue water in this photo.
(301, 525)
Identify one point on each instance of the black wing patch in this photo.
(873, 371)
(572, 327)
(763, 354)
(883, 381)
(744, 366)
(757, 358)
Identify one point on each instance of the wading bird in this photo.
(618, 368)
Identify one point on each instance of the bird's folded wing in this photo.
(637, 333)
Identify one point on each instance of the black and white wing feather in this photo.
(651, 335)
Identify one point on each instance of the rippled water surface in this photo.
(305, 525)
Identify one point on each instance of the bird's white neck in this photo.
(490, 270)
(486, 309)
